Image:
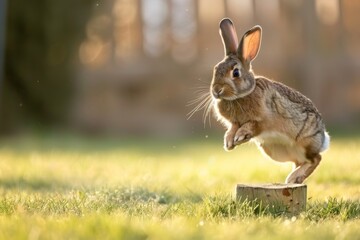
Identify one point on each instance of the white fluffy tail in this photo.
(326, 144)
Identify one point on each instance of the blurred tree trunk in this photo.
(2, 40)
(42, 39)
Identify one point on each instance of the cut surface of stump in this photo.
(286, 198)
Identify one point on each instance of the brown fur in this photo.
(253, 106)
(275, 106)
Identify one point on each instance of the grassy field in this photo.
(71, 188)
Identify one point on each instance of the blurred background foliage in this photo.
(129, 67)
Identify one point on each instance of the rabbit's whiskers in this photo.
(202, 102)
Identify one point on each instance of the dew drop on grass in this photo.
(201, 223)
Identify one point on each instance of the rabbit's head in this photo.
(233, 77)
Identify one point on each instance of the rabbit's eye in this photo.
(236, 73)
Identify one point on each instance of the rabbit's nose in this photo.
(218, 91)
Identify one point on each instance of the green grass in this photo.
(70, 188)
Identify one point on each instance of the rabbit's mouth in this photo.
(230, 98)
(226, 95)
(223, 92)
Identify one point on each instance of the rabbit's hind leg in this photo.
(304, 170)
(311, 159)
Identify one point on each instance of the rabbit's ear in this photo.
(228, 36)
(250, 44)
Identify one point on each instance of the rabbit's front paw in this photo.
(242, 136)
(229, 142)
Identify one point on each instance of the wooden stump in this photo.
(286, 198)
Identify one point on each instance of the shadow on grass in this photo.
(144, 195)
(23, 184)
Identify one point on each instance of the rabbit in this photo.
(284, 124)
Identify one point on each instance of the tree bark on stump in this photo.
(285, 198)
